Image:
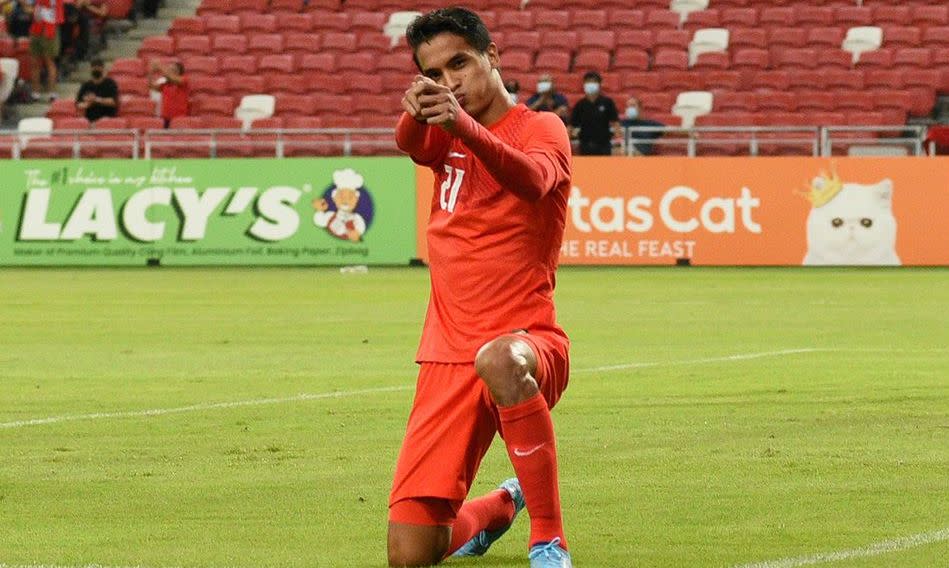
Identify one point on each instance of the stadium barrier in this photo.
(328, 211)
(753, 212)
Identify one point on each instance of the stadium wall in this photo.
(751, 211)
(207, 212)
(655, 211)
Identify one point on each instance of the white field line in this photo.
(196, 408)
(875, 549)
(343, 394)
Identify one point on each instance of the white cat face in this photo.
(856, 227)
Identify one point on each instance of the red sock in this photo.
(491, 512)
(529, 436)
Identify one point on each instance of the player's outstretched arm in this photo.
(413, 135)
(530, 174)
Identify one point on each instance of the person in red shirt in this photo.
(48, 15)
(492, 356)
(175, 93)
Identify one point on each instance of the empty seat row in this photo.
(293, 42)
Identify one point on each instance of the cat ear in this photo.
(884, 190)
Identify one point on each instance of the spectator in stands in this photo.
(82, 17)
(150, 8)
(513, 88)
(548, 99)
(173, 84)
(594, 117)
(19, 16)
(634, 118)
(48, 15)
(99, 96)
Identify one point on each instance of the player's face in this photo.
(448, 60)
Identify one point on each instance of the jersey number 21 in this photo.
(450, 187)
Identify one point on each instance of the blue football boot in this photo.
(481, 542)
(549, 555)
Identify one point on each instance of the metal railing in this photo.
(284, 142)
(775, 140)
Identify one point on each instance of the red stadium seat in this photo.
(317, 62)
(339, 42)
(331, 21)
(220, 105)
(551, 20)
(265, 44)
(853, 101)
(589, 20)
(605, 40)
(641, 82)
(371, 105)
(713, 60)
(276, 63)
(876, 59)
(72, 123)
(157, 46)
(886, 99)
(702, 19)
(825, 37)
(776, 17)
(186, 26)
(771, 80)
(208, 86)
(919, 58)
(360, 83)
(560, 41)
(793, 58)
(229, 44)
(815, 101)
(302, 44)
(723, 80)
(294, 105)
(834, 79)
(244, 64)
(395, 62)
(662, 19)
(288, 23)
(743, 102)
(672, 39)
(898, 36)
(813, 16)
(788, 37)
(62, 108)
(852, 16)
(367, 22)
(657, 102)
(193, 45)
(517, 60)
(592, 60)
(834, 59)
(630, 59)
(640, 39)
(892, 16)
(280, 7)
(511, 20)
(137, 106)
(522, 41)
(200, 65)
(137, 86)
(682, 80)
(143, 123)
(110, 123)
(883, 79)
(670, 59)
(259, 23)
(221, 24)
(777, 101)
(249, 6)
(239, 85)
(363, 62)
(748, 38)
(934, 15)
(736, 18)
(214, 7)
(624, 20)
(285, 84)
(749, 59)
(127, 66)
(936, 36)
(552, 62)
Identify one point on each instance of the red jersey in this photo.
(174, 99)
(47, 16)
(496, 227)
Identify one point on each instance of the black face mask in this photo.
(97, 73)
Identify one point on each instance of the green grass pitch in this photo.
(827, 431)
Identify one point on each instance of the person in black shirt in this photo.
(98, 96)
(593, 118)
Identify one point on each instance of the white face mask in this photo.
(632, 112)
(513, 97)
(591, 88)
(544, 86)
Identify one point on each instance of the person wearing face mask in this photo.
(548, 99)
(633, 119)
(98, 96)
(593, 118)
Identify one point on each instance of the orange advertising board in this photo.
(750, 211)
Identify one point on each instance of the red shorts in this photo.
(452, 425)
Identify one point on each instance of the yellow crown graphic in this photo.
(824, 188)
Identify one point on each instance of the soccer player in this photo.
(492, 355)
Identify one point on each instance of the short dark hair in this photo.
(592, 76)
(456, 20)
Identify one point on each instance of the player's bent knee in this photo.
(506, 365)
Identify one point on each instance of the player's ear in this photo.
(494, 58)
